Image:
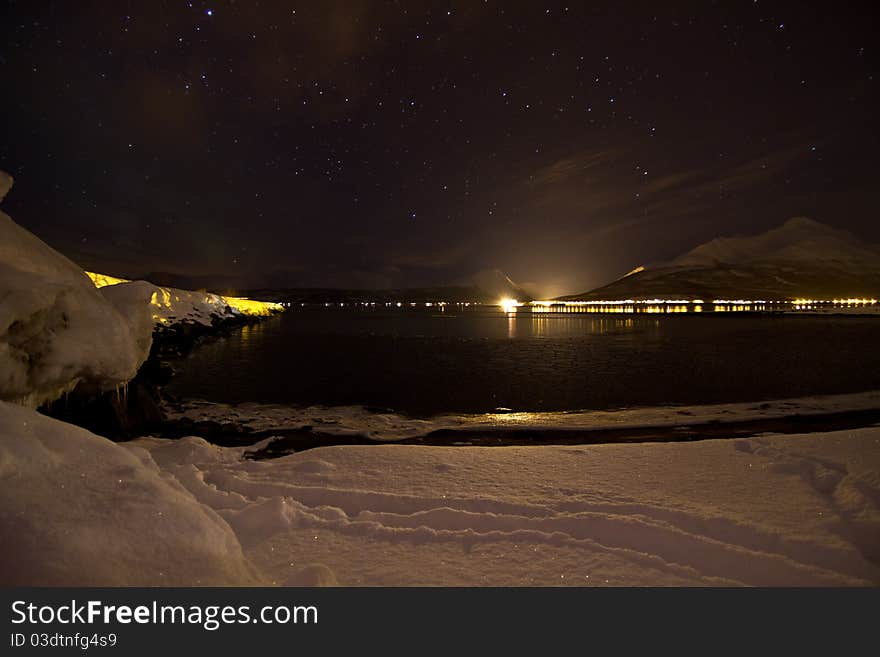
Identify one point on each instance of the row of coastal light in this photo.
(610, 305)
(619, 302)
(628, 302)
(510, 305)
(388, 304)
(838, 302)
(812, 304)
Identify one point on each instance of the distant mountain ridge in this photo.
(802, 258)
(797, 240)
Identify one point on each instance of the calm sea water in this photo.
(424, 363)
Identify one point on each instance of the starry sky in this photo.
(379, 144)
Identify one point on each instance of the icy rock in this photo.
(132, 301)
(56, 329)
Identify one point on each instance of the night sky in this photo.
(401, 144)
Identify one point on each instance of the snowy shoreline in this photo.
(260, 420)
(771, 510)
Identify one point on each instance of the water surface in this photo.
(424, 362)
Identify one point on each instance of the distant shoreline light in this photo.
(612, 302)
(611, 306)
(659, 305)
(509, 305)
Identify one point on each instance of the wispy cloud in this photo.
(573, 167)
(697, 189)
(610, 181)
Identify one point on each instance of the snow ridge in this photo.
(799, 239)
(802, 258)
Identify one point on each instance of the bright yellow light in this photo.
(102, 280)
(508, 305)
(251, 307)
(164, 298)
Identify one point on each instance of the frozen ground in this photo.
(772, 510)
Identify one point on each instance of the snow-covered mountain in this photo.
(801, 258)
(797, 240)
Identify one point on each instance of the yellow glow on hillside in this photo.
(251, 307)
(102, 280)
(165, 299)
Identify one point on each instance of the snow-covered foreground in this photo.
(78, 509)
(772, 510)
(768, 511)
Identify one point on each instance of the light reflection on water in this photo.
(539, 325)
(424, 362)
(252, 332)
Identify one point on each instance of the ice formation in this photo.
(56, 328)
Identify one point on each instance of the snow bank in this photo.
(165, 306)
(767, 511)
(170, 305)
(132, 302)
(77, 509)
(56, 328)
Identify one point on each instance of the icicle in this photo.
(122, 394)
